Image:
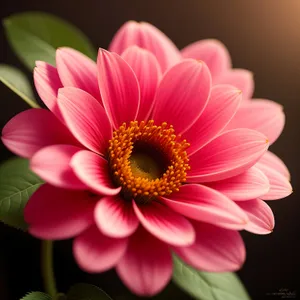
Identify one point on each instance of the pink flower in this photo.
(140, 163)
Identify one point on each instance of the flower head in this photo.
(144, 153)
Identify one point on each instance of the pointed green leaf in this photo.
(83, 291)
(17, 184)
(36, 35)
(36, 296)
(18, 83)
(208, 286)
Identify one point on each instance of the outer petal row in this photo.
(229, 154)
(215, 249)
(204, 204)
(148, 37)
(264, 116)
(261, 218)
(33, 129)
(251, 184)
(212, 52)
(54, 213)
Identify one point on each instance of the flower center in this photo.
(147, 160)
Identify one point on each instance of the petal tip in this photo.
(62, 50)
(39, 64)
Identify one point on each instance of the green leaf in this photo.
(36, 35)
(208, 286)
(17, 184)
(83, 291)
(18, 83)
(36, 296)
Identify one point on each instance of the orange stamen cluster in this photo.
(162, 137)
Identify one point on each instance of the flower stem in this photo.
(47, 268)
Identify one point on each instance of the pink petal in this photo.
(77, 70)
(240, 78)
(115, 217)
(95, 252)
(215, 249)
(33, 129)
(264, 116)
(47, 84)
(146, 267)
(230, 154)
(147, 71)
(212, 52)
(54, 213)
(119, 88)
(223, 103)
(280, 186)
(52, 164)
(165, 224)
(148, 37)
(86, 118)
(250, 184)
(202, 203)
(261, 218)
(93, 170)
(271, 160)
(182, 95)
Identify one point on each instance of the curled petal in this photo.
(215, 249)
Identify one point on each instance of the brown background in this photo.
(263, 36)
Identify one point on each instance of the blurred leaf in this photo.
(36, 35)
(18, 83)
(17, 184)
(83, 291)
(36, 296)
(208, 286)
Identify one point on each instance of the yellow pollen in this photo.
(148, 160)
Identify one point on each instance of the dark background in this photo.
(261, 35)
